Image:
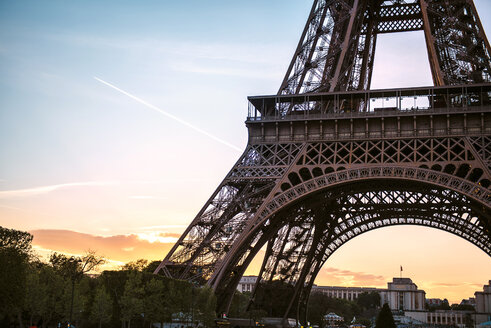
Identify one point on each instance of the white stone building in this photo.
(347, 293)
(483, 304)
(403, 295)
(246, 283)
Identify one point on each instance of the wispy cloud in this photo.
(15, 208)
(144, 197)
(51, 188)
(166, 226)
(453, 285)
(159, 237)
(338, 277)
(242, 52)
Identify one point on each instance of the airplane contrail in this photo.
(175, 118)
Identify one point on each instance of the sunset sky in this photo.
(83, 166)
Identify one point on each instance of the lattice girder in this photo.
(461, 49)
(340, 35)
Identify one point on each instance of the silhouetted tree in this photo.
(15, 249)
(385, 318)
(321, 304)
(368, 300)
(74, 268)
(131, 302)
(238, 307)
(138, 265)
(157, 301)
(273, 297)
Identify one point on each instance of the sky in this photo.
(85, 166)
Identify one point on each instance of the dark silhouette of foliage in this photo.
(321, 304)
(463, 307)
(368, 300)
(385, 318)
(273, 298)
(15, 249)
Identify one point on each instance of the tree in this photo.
(368, 300)
(274, 298)
(321, 304)
(131, 302)
(74, 268)
(36, 294)
(205, 304)
(15, 239)
(152, 266)
(385, 318)
(53, 284)
(15, 249)
(101, 306)
(238, 307)
(138, 265)
(463, 307)
(157, 301)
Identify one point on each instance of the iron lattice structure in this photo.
(329, 159)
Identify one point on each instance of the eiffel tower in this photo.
(329, 159)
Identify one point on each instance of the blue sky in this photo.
(79, 156)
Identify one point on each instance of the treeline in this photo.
(63, 290)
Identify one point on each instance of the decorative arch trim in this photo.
(438, 179)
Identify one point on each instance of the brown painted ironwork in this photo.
(329, 159)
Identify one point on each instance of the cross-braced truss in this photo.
(337, 47)
(323, 166)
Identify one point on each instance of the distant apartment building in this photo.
(246, 283)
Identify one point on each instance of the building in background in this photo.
(402, 294)
(434, 302)
(483, 304)
(347, 293)
(246, 283)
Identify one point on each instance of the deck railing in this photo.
(384, 102)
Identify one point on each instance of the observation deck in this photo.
(385, 113)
